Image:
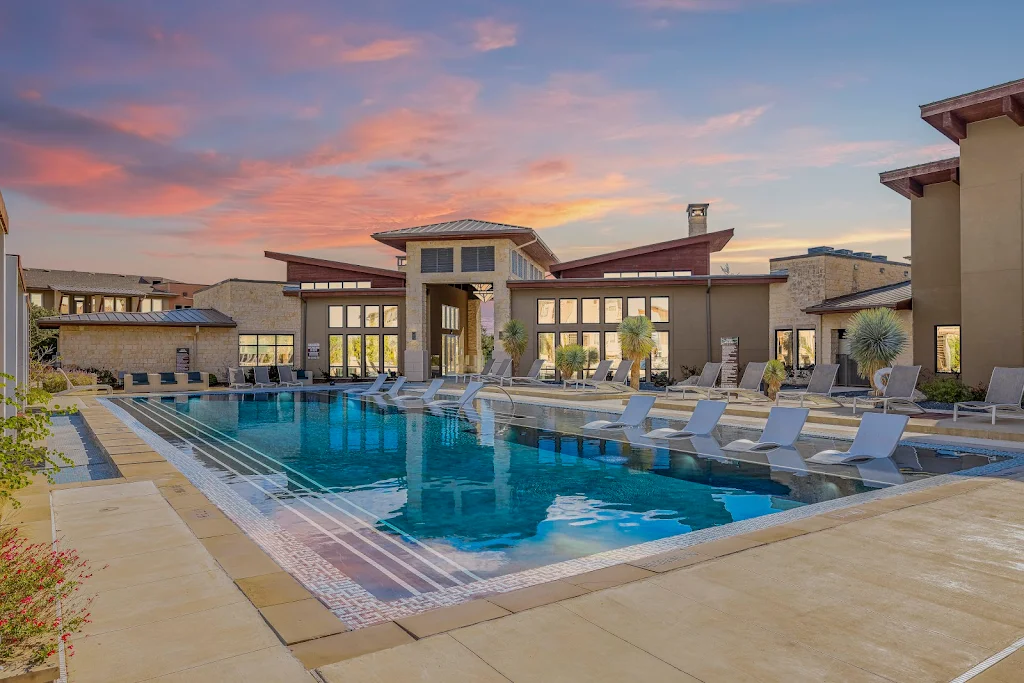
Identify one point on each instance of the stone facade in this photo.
(831, 323)
(816, 277)
(140, 348)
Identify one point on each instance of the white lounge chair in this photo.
(877, 437)
(470, 375)
(781, 431)
(236, 379)
(823, 377)
(262, 375)
(396, 387)
(1005, 390)
(373, 388)
(379, 391)
(619, 381)
(503, 368)
(704, 419)
(633, 416)
(458, 403)
(600, 374)
(285, 378)
(532, 377)
(750, 384)
(704, 385)
(898, 390)
(428, 395)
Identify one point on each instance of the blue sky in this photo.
(185, 138)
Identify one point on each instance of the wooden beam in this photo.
(1012, 108)
(954, 175)
(915, 187)
(954, 125)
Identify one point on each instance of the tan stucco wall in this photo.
(814, 278)
(147, 349)
(991, 247)
(318, 327)
(935, 245)
(840, 321)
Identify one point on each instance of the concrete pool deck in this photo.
(910, 588)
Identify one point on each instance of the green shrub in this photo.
(570, 360)
(951, 390)
(213, 380)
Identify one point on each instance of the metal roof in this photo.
(896, 296)
(469, 228)
(182, 317)
(716, 241)
(468, 225)
(82, 282)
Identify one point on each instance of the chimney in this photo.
(697, 217)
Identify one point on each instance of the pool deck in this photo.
(917, 587)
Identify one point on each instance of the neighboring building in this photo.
(14, 316)
(967, 235)
(72, 291)
(800, 336)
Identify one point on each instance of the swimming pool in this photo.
(383, 512)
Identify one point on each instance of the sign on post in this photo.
(313, 351)
(182, 359)
(730, 362)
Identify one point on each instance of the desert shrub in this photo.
(774, 375)
(950, 390)
(81, 378)
(688, 371)
(570, 359)
(213, 380)
(104, 376)
(53, 382)
(660, 379)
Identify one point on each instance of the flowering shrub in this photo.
(40, 601)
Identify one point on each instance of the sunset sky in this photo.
(183, 138)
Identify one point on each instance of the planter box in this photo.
(44, 673)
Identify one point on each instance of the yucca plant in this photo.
(514, 341)
(877, 338)
(636, 338)
(774, 376)
(570, 360)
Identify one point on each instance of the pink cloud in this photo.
(379, 51)
(492, 34)
(707, 5)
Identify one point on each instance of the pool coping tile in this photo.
(274, 588)
(301, 620)
(349, 644)
(537, 596)
(444, 619)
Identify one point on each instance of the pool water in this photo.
(406, 502)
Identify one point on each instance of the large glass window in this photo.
(450, 317)
(659, 309)
(947, 348)
(636, 306)
(592, 343)
(335, 316)
(591, 311)
(390, 354)
(336, 344)
(391, 316)
(612, 350)
(372, 342)
(546, 350)
(567, 311)
(568, 338)
(545, 311)
(78, 304)
(265, 349)
(805, 349)
(150, 305)
(437, 260)
(354, 356)
(477, 259)
(354, 316)
(613, 310)
(36, 299)
(784, 347)
(659, 357)
(371, 316)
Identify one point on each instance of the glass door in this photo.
(451, 354)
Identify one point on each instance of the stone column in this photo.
(417, 331)
(474, 351)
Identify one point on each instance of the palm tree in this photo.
(636, 338)
(514, 341)
(774, 376)
(570, 360)
(877, 337)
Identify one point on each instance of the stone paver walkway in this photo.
(921, 593)
(163, 610)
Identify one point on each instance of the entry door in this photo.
(451, 354)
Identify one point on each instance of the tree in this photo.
(487, 346)
(570, 360)
(636, 339)
(514, 341)
(877, 338)
(774, 376)
(42, 343)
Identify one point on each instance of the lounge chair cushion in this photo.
(140, 378)
(168, 378)
(195, 378)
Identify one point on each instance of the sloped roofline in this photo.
(311, 261)
(524, 237)
(836, 304)
(716, 241)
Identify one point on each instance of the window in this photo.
(354, 316)
(613, 310)
(568, 338)
(450, 317)
(683, 273)
(64, 304)
(947, 348)
(391, 316)
(78, 304)
(659, 356)
(371, 316)
(336, 345)
(265, 349)
(784, 347)
(307, 286)
(437, 260)
(546, 350)
(335, 316)
(648, 273)
(612, 350)
(805, 349)
(592, 343)
(354, 356)
(477, 259)
(390, 354)
(659, 309)
(545, 311)
(372, 343)
(567, 311)
(636, 306)
(612, 276)
(591, 311)
(36, 299)
(150, 305)
(120, 304)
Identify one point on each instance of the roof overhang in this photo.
(910, 181)
(4, 221)
(822, 309)
(691, 281)
(342, 293)
(716, 241)
(325, 263)
(951, 116)
(526, 238)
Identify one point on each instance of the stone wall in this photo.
(830, 322)
(147, 349)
